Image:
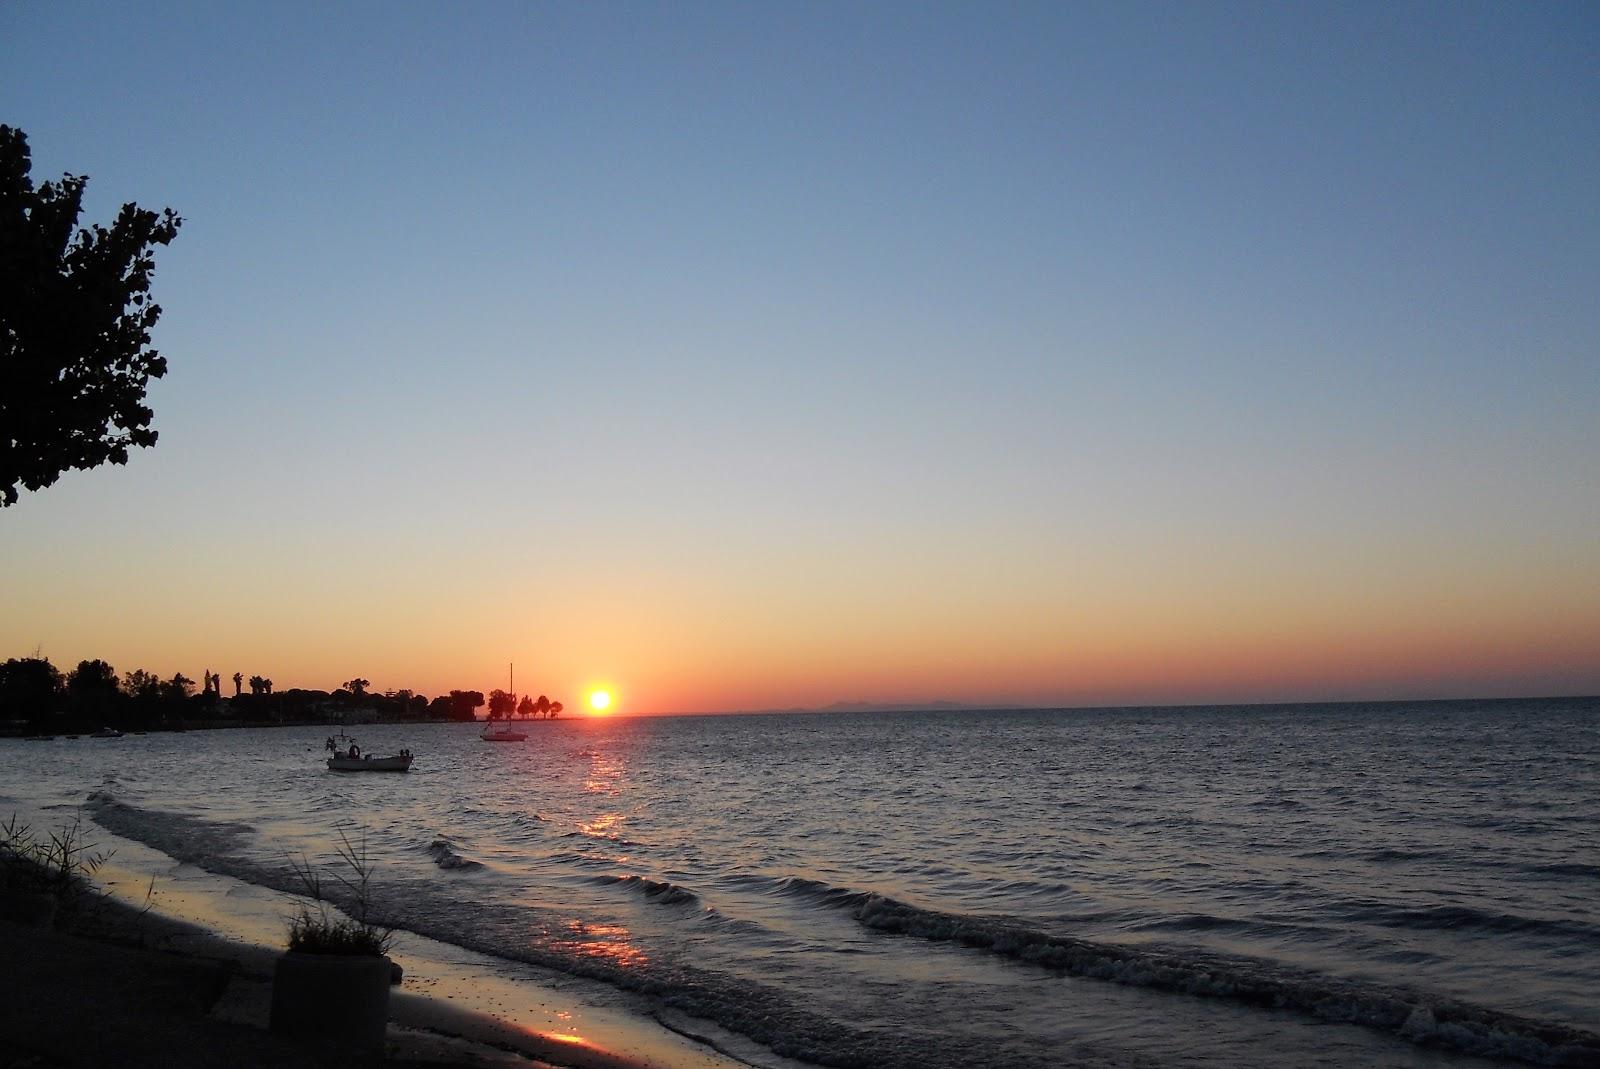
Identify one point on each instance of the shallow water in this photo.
(1376, 884)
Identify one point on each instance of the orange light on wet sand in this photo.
(600, 701)
(561, 1037)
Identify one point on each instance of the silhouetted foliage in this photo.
(501, 704)
(145, 700)
(176, 689)
(464, 703)
(357, 687)
(140, 684)
(34, 692)
(401, 704)
(324, 933)
(92, 691)
(30, 689)
(555, 709)
(525, 706)
(57, 864)
(92, 677)
(75, 320)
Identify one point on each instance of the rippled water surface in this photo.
(1383, 884)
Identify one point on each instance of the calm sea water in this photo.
(1365, 884)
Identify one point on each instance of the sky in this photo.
(742, 356)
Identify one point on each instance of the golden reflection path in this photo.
(603, 942)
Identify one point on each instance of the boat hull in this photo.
(369, 764)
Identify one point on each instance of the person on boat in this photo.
(355, 751)
(331, 745)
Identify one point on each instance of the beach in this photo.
(176, 970)
(1403, 884)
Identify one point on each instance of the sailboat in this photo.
(505, 732)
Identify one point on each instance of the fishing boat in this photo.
(400, 762)
(347, 757)
(496, 732)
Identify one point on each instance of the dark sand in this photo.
(122, 987)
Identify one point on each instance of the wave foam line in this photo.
(1411, 1015)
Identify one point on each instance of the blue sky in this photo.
(740, 320)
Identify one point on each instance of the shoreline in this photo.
(81, 732)
(157, 916)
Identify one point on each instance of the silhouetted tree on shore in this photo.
(35, 693)
(178, 687)
(403, 704)
(30, 689)
(464, 704)
(75, 320)
(141, 685)
(92, 691)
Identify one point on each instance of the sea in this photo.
(1388, 884)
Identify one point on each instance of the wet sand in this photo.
(177, 971)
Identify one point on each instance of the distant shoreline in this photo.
(19, 730)
(22, 732)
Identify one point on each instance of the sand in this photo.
(182, 977)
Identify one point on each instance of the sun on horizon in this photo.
(600, 702)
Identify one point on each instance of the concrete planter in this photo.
(332, 997)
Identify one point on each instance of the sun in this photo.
(600, 701)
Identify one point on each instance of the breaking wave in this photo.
(1409, 1014)
(185, 838)
(659, 891)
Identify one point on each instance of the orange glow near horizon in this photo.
(1125, 625)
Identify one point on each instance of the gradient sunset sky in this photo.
(754, 355)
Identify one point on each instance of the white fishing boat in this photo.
(400, 762)
(347, 757)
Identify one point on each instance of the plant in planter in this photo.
(333, 983)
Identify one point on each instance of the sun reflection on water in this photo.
(603, 826)
(604, 942)
(605, 773)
